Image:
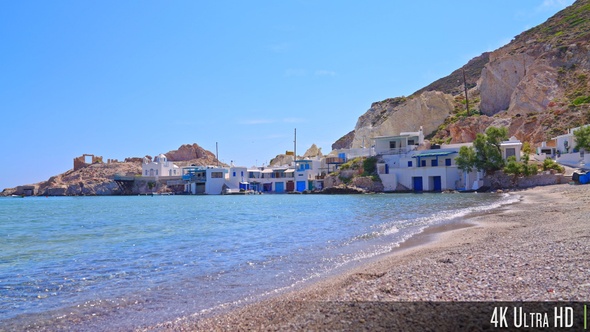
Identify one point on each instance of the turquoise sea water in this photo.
(104, 263)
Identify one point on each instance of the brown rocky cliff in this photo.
(392, 116)
(537, 85)
(190, 152)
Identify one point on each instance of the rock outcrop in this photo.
(281, 160)
(192, 153)
(287, 158)
(344, 142)
(313, 151)
(392, 116)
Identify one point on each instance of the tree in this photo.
(582, 136)
(522, 168)
(466, 159)
(487, 147)
(513, 167)
(485, 154)
(526, 148)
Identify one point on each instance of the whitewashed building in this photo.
(310, 174)
(207, 180)
(159, 167)
(404, 167)
(511, 148)
(274, 179)
(400, 144)
(424, 170)
(566, 152)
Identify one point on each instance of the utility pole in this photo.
(217, 153)
(465, 87)
(295, 149)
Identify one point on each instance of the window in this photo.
(217, 175)
(409, 163)
(423, 163)
(448, 162)
(510, 152)
(234, 174)
(411, 142)
(392, 144)
(242, 173)
(434, 162)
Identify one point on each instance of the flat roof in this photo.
(507, 143)
(392, 137)
(433, 154)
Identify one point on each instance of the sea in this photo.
(126, 262)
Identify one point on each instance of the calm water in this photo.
(121, 262)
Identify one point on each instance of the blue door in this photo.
(417, 180)
(300, 186)
(437, 183)
(280, 187)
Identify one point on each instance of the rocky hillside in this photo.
(97, 178)
(287, 159)
(188, 154)
(538, 86)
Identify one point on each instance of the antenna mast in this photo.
(217, 153)
(465, 87)
(295, 149)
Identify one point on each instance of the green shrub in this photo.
(512, 166)
(345, 180)
(370, 166)
(581, 100)
(549, 164)
(522, 168)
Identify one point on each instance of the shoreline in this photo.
(533, 250)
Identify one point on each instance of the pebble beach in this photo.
(535, 250)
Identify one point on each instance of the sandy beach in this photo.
(534, 250)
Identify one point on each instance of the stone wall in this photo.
(80, 162)
(500, 180)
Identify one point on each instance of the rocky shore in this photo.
(535, 250)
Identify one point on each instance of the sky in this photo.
(132, 78)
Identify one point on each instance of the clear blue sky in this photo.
(133, 78)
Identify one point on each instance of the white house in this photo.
(403, 167)
(310, 173)
(400, 144)
(566, 152)
(159, 167)
(425, 170)
(209, 180)
(237, 179)
(511, 147)
(273, 179)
